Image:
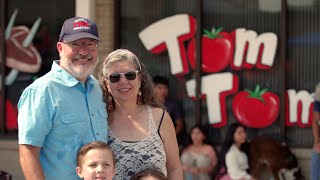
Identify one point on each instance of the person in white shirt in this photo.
(233, 161)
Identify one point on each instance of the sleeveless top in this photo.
(192, 159)
(134, 157)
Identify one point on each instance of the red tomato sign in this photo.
(217, 51)
(256, 109)
(239, 49)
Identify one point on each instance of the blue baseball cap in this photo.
(77, 28)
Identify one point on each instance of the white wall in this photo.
(86, 8)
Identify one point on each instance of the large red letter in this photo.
(216, 87)
(299, 108)
(170, 33)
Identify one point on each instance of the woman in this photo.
(198, 159)
(233, 161)
(141, 133)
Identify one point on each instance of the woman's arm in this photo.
(169, 139)
(184, 166)
(213, 158)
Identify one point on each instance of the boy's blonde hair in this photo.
(90, 146)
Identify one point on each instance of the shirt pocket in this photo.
(71, 118)
(70, 126)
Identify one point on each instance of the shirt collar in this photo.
(65, 76)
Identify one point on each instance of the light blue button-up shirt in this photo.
(60, 114)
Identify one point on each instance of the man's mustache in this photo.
(79, 56)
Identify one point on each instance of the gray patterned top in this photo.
(133, 157)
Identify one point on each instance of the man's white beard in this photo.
(80, 72)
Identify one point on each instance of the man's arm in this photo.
(30, 162)
(177, 117)
(315, 131)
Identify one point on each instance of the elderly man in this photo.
(63, 110)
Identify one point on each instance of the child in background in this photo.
(149, 174)
(233, 160)
(96, 160)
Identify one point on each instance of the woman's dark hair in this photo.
(161, 80)
(149, 172)
(204, 130)
(228, 141)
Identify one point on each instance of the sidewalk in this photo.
(9, 158)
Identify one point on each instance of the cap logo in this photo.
(80, 24)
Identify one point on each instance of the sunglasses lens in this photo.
(114, 78)
(131, 75)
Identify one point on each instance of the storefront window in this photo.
(302, 67)
(134, 17)
(233, 15)
(27, 60)
(253, 30)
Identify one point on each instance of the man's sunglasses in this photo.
(131, 75)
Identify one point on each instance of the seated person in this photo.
(149, 174)
(96, 160)
(199, 158)
(233, 160)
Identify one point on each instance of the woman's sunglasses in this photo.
(131, 75)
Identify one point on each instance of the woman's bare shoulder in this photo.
(208, 146)
(161, 116)
(157, 114)
(157, 110)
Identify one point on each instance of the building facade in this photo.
(244, 44)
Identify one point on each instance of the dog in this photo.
(265, 152)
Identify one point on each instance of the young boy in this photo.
(96, 160)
